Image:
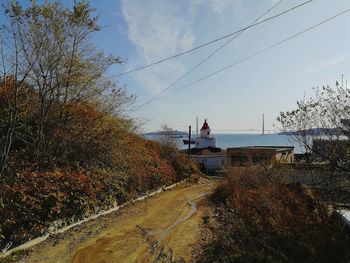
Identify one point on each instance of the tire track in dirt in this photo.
(156, 240)
(162, 228)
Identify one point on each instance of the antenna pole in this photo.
(263, 124)
(189, 141)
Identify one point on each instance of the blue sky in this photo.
(144, 31)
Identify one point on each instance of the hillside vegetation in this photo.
(261, 219)
(67, 147)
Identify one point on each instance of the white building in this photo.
(210, 157)
(205, 140)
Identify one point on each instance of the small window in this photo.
(239, 160)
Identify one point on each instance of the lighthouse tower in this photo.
(205, 140)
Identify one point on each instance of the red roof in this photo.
(205, 126)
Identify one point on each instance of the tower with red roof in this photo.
(205, 130)
(205, 140)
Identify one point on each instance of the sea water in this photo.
(240, 140)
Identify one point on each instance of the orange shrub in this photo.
(262, 219)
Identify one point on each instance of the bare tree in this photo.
(321, 125)
(47, 48)
(15, 71)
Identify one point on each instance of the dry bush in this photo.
(32, 200)
(262, 219)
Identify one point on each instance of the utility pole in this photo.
(263, 124)
(189, 142)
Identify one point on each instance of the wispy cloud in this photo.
(219, 6)
(161, 28)
(324, 64)
(158, 29)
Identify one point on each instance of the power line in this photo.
(208, 57)
(256, 53)
(264, 50)
(210, 42)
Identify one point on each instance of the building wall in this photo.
(249, 156)
(205, 133)
(205, 142)
(211, 162)
(238, 158)
(285, 157)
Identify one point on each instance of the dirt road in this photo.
(163, 228)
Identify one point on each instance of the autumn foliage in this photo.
(67, 147)
(261, 219)
(88, 161)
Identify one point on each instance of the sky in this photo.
(145, 31)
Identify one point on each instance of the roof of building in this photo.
(277, 148)
(209, 151)
(205, 125)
